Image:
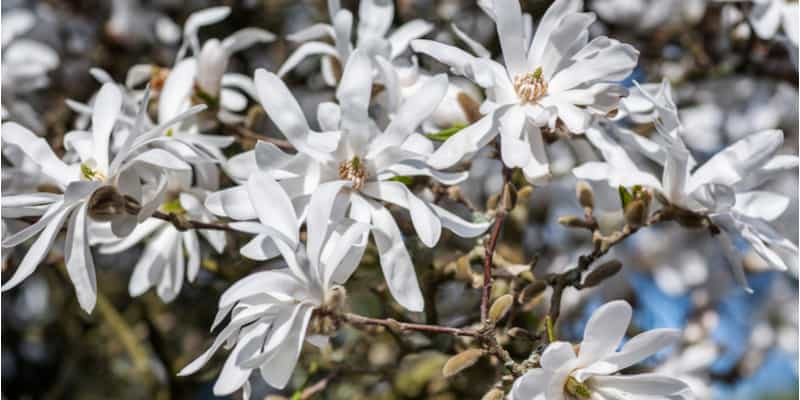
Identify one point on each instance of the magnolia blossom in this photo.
(374, 20)
(162, 264)
(202, 78)
(355, 163)
(723, 188)
(559, 82)
(767, 16)
(92, 188)
(25, 66)
(270, 311)
(592, 373)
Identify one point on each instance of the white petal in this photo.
(79, 261)
(530, 385)
(426, 222)
(509, 30)
(39, 151)
(395, 261)
(233, 203)
(556, 355)
(759, 204)
(245, 38)
(738, 160)
(179, 84)
(649, 385)
(260, 248)
(374, 18)
(38, 249)
(415, 109)
(407, 32)
(458, 225)
(353, 94)
(604, 331)
(642, 346)
(277, 371)
(273, 206)
(465, 143)
(514, 151)
(305, 50)
(319, 215)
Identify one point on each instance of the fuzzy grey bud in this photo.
(584, 194)
(602, 273)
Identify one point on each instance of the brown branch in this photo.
(393, 324)
(182, 224)
(248, 134)
(490, 246)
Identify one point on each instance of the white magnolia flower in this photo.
(162, 264)
(374, 20)
(25, 66)
(646, 15)
(592, 373)
(723, 188)
(559, 80)
(355, 163)
(270, 311)
(92, 189)
(202, 77)
(767, 16)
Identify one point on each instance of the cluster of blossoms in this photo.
(312, 202)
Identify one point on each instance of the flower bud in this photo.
(106, 203)
(500, 307)
(509, 197)
(635, 213)
(602, 273)
(531, 291)
(584, 194)
(572, 221)
(494, 394)
(461, 361)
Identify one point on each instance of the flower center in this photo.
(353, 171)
(90, 174)
(530, 86)
(577, 389)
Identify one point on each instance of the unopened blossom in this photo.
(356, 163)
(270, 310)
(593, 372)
(92, 189)
(724, 188)
(558, 81)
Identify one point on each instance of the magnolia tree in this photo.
(591, 175)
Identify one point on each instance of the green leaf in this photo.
(406, 180)
(445, 134)
(625, 196)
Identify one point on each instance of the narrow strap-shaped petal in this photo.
(79, 260)
(39, 151)
(107, 106)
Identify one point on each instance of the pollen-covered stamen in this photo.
(353, 170)
(90, 174)
(530, 86)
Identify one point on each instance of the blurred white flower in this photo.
(25, 65)
(592, 373)
(559, 82)
(270, 311)
(374, 20)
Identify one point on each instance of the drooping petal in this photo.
(38, 249)
(760, 204)
(642, 346)
(277, 371)
(398, 270)
(426, 222)
(648, 385)
(232, 203)
(305, 50)
(738, 160)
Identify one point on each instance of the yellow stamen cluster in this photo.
(353, 171)
(89, 174)
(530, 86)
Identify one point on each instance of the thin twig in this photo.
(491, 245)
(393, 324)
(246, 133)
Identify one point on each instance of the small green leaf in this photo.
(406, 180)
(445, 134)
(625, 196)
(173, 206)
